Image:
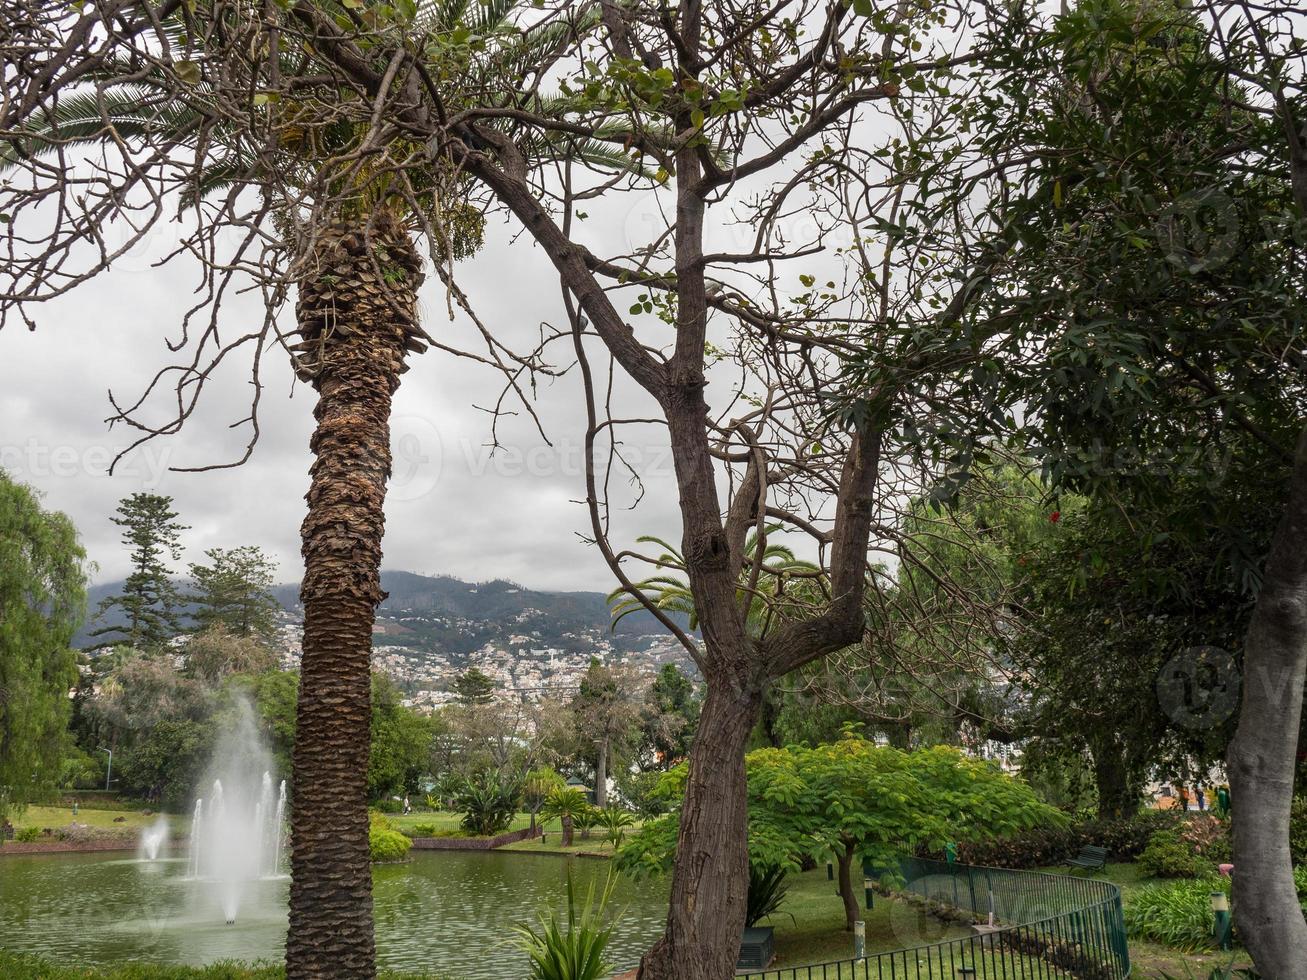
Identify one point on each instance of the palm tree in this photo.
(567, 805)
(784, 587)
(357, 319)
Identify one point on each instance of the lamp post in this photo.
(1221, 923)
(108, 773)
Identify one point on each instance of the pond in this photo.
(449, 913)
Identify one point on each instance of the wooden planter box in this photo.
(756, 949)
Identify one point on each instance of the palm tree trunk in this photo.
(356, 313)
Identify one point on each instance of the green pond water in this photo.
(450, 913)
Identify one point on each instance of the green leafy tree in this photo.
(149, 601)
(668, 719)
(1145, 237)
(474, 686)
(536, 789)
(400, 743)
(234, 591)
(851, 797)
(606, 715)
(216, 654)
(42, 602)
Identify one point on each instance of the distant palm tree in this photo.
(356, 320)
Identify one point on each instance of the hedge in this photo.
(1124, 839)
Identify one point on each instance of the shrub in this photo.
(1209, 836)
(1124, 839)
(1177, 914)
(488, 803)
(28, 835)
(387, 805)
(768, 889)
(1298, 830)
(615, 820)
(423, 830)
(1168, 855)
(385, 843)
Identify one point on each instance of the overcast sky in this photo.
(452, 509)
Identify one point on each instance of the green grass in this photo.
(20, 967)
(444, 821)
(1153, 959)
(596, 843)
(810, 926)
(55, 817)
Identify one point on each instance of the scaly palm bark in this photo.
(357, 318)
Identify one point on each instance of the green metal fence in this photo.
(1032, 924)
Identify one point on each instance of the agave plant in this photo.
(576, 949)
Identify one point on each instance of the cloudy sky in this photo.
(453, 507)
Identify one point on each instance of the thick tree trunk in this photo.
(355, 320)
(1112, 782)
(852, 913)
(567, 830)
(710, 881)
(1264, 750)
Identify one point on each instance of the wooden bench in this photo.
(1090, 858)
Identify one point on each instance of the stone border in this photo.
(472, 843)
(65, 846)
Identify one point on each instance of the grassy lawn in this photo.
(55, 817)
(552, 843)
(443, 820)
(1150, 959)
(810, 926)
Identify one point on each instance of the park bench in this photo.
(1090, 858)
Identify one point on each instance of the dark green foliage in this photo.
(163, 763)
(488, 802)
(1168, 855)
(668, 719)
(1178, 914)
(1298, 830)
(149, 600)
(1124, 839)
(235, 591)
(474, 686)
(42, 597)
(768, 886)
(401, 743)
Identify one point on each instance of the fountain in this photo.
(238, 827)
(153, 839)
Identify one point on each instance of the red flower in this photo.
(1055, 516)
